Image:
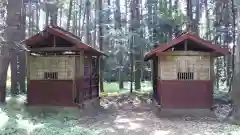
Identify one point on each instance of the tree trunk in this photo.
(53, 9)
(22, 56)
(117, 18)
(207, 20)
(14, 35)
(88, 8)
(235, 92)
(74, 20)
(14, 75)
(135, 25)
(132, 26)
(83, 20)
(47, 18)
(95, 24)
(4, 62)
(100, 38)
(69, 14)
(189, 15)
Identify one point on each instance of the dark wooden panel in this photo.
(50, 92)
(155, 79)
(185, 94)
(95, 90)
(79, 87)
(2, 95)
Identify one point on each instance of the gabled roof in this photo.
(188, 36)
(64, 34)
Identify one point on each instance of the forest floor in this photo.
(129, 115)
(119, 114)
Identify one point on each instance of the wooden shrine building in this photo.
(62, 70)
(183, 72)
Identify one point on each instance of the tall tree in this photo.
(22, 56)
(134, 27)
(207, 19)
(4, 57)
(100, 38)
(80, 17)
(235, 93)
(14, 36)
(137, 44)
(69, 14)
(88, 10)
(117, 18)
(189, 15)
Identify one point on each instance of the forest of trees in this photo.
(124, 30)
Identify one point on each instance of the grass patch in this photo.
(112, 89)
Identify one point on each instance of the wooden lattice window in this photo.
(50, 75)
(185, 75)
(185, 67)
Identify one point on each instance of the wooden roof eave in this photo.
(148, 57)
(60, 34)
(75, 41)
(96, 52)
(63, 34)
(54, 49)
(63, 49)
(219, 54)
(35, 38)
(219, 51)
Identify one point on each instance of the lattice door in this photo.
(95, 78)
(91, 78)
(87, 78)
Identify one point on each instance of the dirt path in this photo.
(128, 116)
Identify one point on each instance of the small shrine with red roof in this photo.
(62, 70)
(183, 72)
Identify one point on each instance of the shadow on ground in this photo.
(125, 115)
(119, 115)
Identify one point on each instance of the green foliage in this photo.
(112, 89)
(173, 14)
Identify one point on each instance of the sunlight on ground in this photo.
(16, 118)
(4, 119)
(134, 126)
(14, 104)
(130, 124)
(27, 125)
(161, 132)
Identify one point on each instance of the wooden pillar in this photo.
(74, 87)
(54, 41)
(185, 45)
(98, 72)
(91, 77)
(155, 79)
(211, 74)
(81, 77)
(28, 73)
